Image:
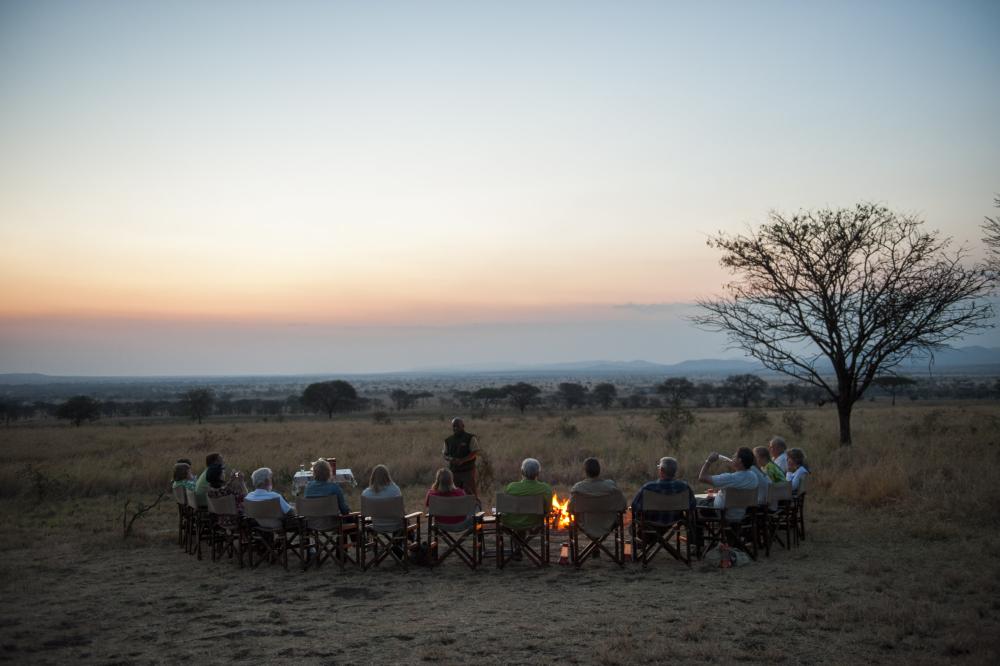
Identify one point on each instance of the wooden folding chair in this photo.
(654, 536)
(227, 526)
(742, 534)
(199, 525)
(394, 542)
(587, 510)
(781, 516)
(536, 506)
(183, 516)
(799, 508)
(271, 533)
(328, 532)
(454, 535)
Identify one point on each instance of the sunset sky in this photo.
(251, 187)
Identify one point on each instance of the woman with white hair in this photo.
(528, 485)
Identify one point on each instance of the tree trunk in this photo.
(844, 416)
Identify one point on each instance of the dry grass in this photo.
(899, 566)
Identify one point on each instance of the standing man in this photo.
(460, 450)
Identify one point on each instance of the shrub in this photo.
(381, 418)
(629, 430)
(795, 422)
(752, 419)
(675, 421)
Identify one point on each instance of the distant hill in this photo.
(964, 360)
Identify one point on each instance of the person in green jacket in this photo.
(767, 466)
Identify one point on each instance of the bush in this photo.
(629, 430)
(381, 418)
(752, 419)
(795, 422)
(675, 421)
(566, 428)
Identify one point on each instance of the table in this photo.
(344, 476)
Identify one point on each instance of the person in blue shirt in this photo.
(668, 485)
(263, 480)
(323, 485)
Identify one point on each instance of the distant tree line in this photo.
(340, 397)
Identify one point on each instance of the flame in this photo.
(559, 517)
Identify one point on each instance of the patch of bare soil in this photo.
(858, 590)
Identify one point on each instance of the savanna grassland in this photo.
(899, 564)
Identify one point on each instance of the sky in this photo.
(257, 187)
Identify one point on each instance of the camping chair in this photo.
(392, 542)
(327, 531)
(228, 535)
(199, 524)
(781, 518)
(799, 508)
(269, 533)
(742, 534)
(586, 510)
(536, 506)
(183, 516)
(455, 535)
(654, 536)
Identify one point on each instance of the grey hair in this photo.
(669, 466)
(779, 441)
(457, 419)
(261, 476)
(530, 468)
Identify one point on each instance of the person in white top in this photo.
(742, 477)
(263, 481)
(777, 448)
(796, 468)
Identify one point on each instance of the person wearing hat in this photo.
(461, 450)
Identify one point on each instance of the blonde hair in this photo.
(322, 470)
(380, 478)
(444, 481)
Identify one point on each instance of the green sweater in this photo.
(522, 521)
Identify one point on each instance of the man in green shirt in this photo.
(528, 485)
(201, 485)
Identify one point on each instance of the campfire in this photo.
(559, 518)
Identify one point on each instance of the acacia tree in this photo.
(676, 389)
(991, 228)
(745, 388)
(522, 394)
(604, 394)
(78, 409)
(197, 402)
(834, 297)
(892, 384)
(330, 397)
(572, 394)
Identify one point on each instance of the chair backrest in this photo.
(524, 504)
(192, 499)
(317, 507)
(267, 512)
(383, 507)
(778, 492)
(464, 505)
(180, 496)
(654, 501)
(222, 506)
(740, 498)
(613, 502)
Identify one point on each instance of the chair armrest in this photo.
(415, 514)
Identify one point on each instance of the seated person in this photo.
(740, 478)
(444, 486)
(797, 468)
(527, 486)
(380, 484)
(263, 482)
(766, 465)
(201, 485)
(777, 448)
(595, 524)
(219, 487)
(323, 485)
(667, 484)
(183, 476)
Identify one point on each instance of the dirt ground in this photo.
(858, 590)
